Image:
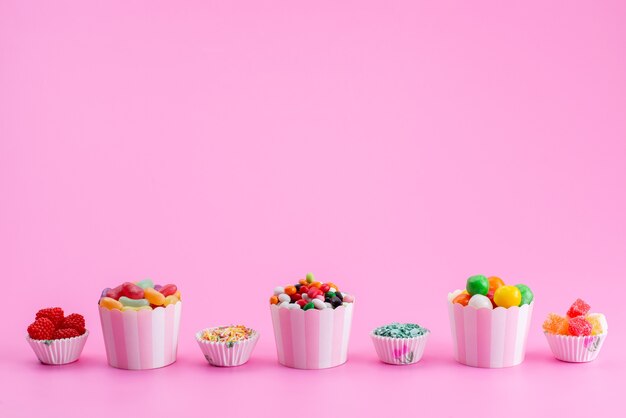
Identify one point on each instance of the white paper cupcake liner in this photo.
(227, 354)
(575, 349)
(57, 352)
(400, 351)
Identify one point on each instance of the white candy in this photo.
(332, 289)
(480, 301)
(602, 319)
(454, 294)
(283, 297)
(283, 305)
(328, 305)
(306, 297)
(294, 306)
(319, 304)
(278, 290)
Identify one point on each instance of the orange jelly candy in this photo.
(556, 324)
(290, 290)
(462, 299)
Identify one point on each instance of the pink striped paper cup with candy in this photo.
(312, 339)
(489, 338)
(142, 339)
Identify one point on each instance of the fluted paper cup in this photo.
(400, 351)
(143, 339)
(223, 354)
(58, 352)
(575, 349)
(489, 338)
(312, 339)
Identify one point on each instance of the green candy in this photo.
(144, 284)
(330, 294)
(308, 306)
(135, 303)
(477, 285)
(398, 330)
(527, 294)
(310, 278)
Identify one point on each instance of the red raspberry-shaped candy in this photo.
(41, 329)
(578, 308)
(74, 321)
(53, 314)
(579, 326)
(65, 333)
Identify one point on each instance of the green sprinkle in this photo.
(398, 330)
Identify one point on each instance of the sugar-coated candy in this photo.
(495, 282)
(301, 302)
(132, 291)
(556, 324)
(527, 294)
(578, 308)
(278, 290)
(490, 297)
(136, 303)
(333, 286)
(308, 306)
(144, 284)
(283, 304)
(462, 299)
(170, 300)
(310, 278)
(283, 297)
(507, 296)
(579, 326)
(480, 301)
(347, 298)
(296, 297)
(294, 306)
(324, 288)
(273, 300)
(110, 303)
(598, 323)
(316, 284)
(477, 285)
(290, 290)
(319, 304)
(168, 289)
(154, 296)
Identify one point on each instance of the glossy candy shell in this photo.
(489, 338)
(58, 352)
(399, 351)
(312, 339)
(139, 340)
(222, 355)
(575, 349)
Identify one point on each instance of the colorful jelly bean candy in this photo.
(308, 306)
(556, 324)
(290, 290)
(273, 300)
(283, 297)
(480, 301)
(310, 278)
(132, 291)
(136, 303)
(168, 289)
(110, 303)
(578, 308)
(105, 292)
(115, 293)
(477, 285)
(154, 296)
(527, 294)
(507, 296)
(170, 300)
(579, 326)
(144, 284)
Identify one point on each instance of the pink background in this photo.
(392, 147)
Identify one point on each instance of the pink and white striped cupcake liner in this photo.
(312, 339)
(58, 352)
(400, 351)
(143, 339)
(223, 354)
(490, 338)
(576, 349)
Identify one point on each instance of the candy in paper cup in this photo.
(58, 352)
(312, 339)
(400, 351)
(227, 354)
(575, 349)
(142, 339)
(489, 338)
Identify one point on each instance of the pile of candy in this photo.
(230, 334)
(577, 322)
(141, 295)
(398, 330)
(309, 294)
(52, 324)
(483, 292)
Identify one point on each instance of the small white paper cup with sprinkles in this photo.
(400, 344)
(231, 345)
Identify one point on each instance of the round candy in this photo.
(278, 290)
(274, 300)
(477, 285)
(480, 301)
(462, 299)
(507, 296)
(495, 282)
(527, 294)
